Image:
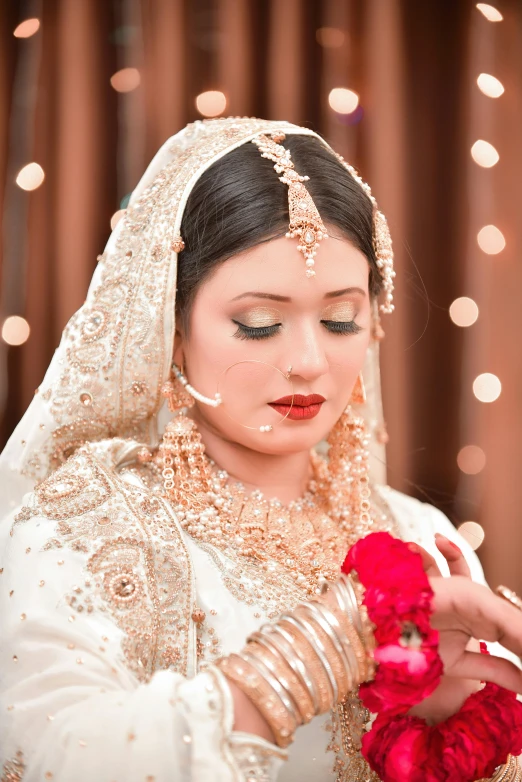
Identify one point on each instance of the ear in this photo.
(179, 344)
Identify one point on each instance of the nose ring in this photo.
(289, 372)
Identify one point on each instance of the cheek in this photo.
(209, 350)
(346, 361)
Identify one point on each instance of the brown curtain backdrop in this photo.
(414, 66)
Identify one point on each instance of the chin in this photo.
(288, 438)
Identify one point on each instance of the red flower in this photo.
(467, 746)
(397, 596)
(399, 748)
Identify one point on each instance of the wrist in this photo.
(301, 666)
(248, 718)
(446, 700)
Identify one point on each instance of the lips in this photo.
(302, 409)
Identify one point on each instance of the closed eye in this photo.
(342, 326)
(255, 332)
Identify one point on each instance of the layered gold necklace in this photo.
(308, 537)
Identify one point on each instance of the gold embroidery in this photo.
(255, 763)
(66, 493)
(13, 770)
(138, 568)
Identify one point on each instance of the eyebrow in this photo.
(276, 297)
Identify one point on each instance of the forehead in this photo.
(278, 267)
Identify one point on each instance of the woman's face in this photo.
(258, 315)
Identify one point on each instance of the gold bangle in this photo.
(311, 634)
(294, 655)
(255, 686)
(332, 648)
(365, 664)
(278, 666)
(313, 663)
(340, 621)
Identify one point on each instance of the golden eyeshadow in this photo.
(341, 311)
(260, 316)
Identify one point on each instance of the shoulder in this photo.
(419, 522)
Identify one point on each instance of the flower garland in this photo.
(398, 599)
(469, 745)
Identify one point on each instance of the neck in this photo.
(284, 476)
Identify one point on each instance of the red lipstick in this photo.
(302, 409)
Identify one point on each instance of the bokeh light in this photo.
(211, 103)
(491, 13)
(15, 330)
(343, 101)
(484, 154)
(471, 459)
(472, 533)
(27, 28)
(490, 85)
(491, 240)
(487, 387)
(330, 37)
(463, 311)
(126, 80)
(30, 176)
(115, 219)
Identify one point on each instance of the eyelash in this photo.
(264, 332)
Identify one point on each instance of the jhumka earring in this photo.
(186, 472)
(348, 458)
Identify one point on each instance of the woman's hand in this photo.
(463, 612)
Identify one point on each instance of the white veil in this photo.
(115, 353)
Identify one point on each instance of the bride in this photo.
(180, 496)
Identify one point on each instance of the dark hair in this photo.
(239, 202)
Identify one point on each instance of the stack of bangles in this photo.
(371, 631)
(307, 662)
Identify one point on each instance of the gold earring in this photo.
(182, 454)
(358, 396)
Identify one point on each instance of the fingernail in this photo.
(447, 540)
(413, 547)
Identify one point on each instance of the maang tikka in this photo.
(305, 220)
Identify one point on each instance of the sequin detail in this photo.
(13, 770)
(138, 568)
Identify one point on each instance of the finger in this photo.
(428, 562)
(462, 605)
(456, 560)
(488, 668)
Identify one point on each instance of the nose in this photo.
(307, 355)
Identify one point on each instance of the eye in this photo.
(259, 332)
(342, 326)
